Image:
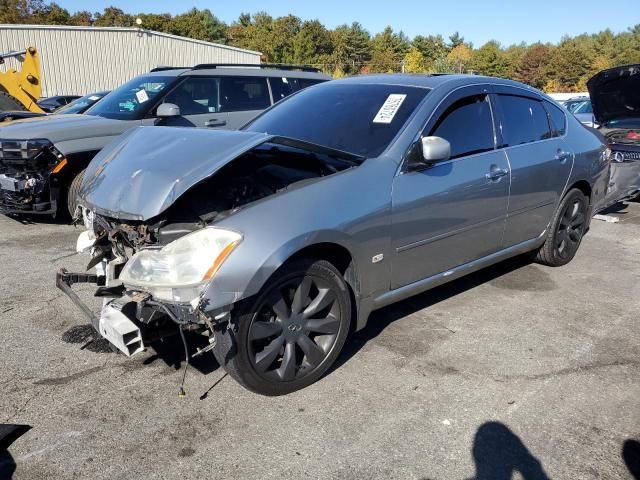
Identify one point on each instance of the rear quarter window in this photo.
(524, 120)
(558, 119)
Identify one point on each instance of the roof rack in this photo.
(160, 69)
(279, 66)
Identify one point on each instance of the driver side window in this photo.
(468, 126)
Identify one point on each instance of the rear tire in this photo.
(72, 193)
(566, 231)
(9, 104)
(288, 335)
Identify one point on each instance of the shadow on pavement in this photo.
(498, 453)
(9, 433)
(631, 456)
(384, 317)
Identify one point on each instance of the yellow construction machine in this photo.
(20, 90)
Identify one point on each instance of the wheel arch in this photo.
(583, 186)
(328, 246)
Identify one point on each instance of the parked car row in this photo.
(43, 159)
(79, 105)
(280, 227)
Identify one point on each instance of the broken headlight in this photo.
(179, 271)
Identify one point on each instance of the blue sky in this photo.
(479, 21)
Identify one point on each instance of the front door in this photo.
(453, 212)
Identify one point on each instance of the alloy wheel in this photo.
(294, 329)
(570, 228)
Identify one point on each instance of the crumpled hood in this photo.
(144, 171)
(615, 93)
(63, 128)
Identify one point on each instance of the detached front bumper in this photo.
(128, 322)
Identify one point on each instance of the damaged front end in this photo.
(148, 289)
(151, 206)
(28, 171)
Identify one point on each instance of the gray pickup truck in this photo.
(42, 160)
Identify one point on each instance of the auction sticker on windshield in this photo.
(389, 108)
(142, 96)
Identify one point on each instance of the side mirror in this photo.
(435, 149)
(168, 110)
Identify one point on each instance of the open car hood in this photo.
(144, 171)
(615, 93)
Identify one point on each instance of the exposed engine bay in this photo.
(259, 173)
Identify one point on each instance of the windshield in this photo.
(81, 104)
(359, 119)
(130, 101)
(584, 107)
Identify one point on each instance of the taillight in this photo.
(633, 136)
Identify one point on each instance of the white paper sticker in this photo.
(389, 108)
(94, 97)
(285, 80)
(142, 96)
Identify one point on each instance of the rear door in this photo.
(539, 160)
(454, 211)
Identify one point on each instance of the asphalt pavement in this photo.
(518, 368)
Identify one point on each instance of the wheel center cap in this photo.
(294, 327)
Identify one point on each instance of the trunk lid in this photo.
(615, 94)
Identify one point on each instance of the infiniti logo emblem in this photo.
(294, 327)
(618, 157)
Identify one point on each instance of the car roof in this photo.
(432, 81)
(230, 71)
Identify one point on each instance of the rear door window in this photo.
(558, 119)
(524, 120)
(238, 94)
(468, 126)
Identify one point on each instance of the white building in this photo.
(81, 60)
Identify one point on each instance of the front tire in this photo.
(566, 231)
(286, 337)
(72, 193)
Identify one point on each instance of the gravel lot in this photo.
(519, 367)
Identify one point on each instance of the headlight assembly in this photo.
(23, 149)
(179, 271)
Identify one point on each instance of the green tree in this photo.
(113, 17)
(414, 61)
(459, 58)
(533, 66)
(199, 24)
(312, 43)
(159, 22)
(489, 60)
(455, 40)
(389, 48)
(351, 45)
(569, 63)
(432, 48)
(82, 18)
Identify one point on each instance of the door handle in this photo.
(496, 173)
(563, 156)
(214, 122)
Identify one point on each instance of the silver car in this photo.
(276, 241)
